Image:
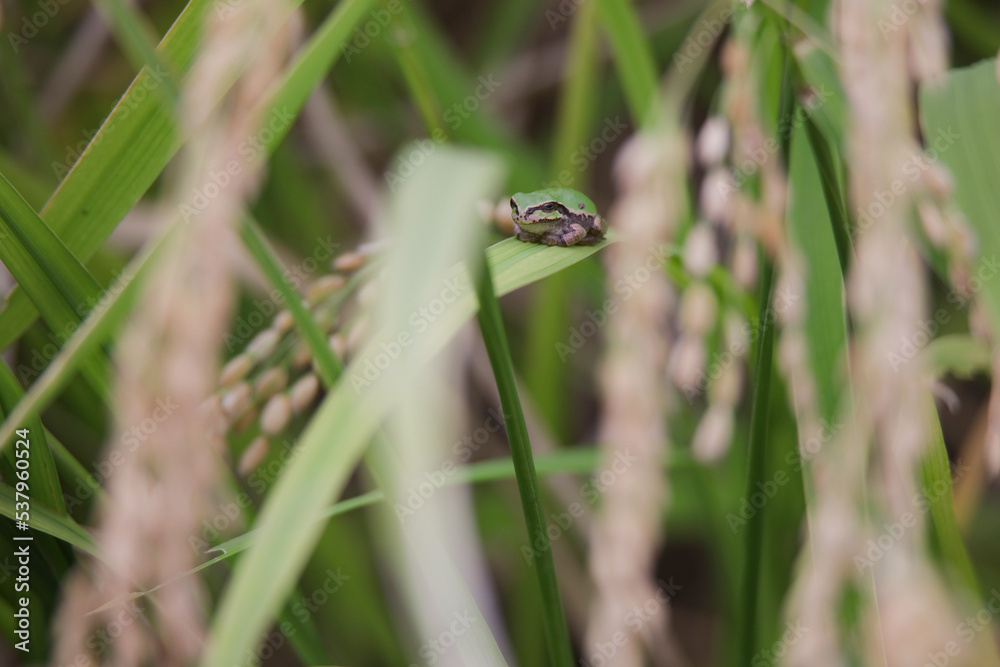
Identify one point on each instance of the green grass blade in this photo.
(946, 537)
(43, 478)
(48, 522)
(959, 355)
(959, 110)
(810, 229)
(98, 326)
(756, 469)
(498, 350)
(59, 286)
(138, 40)
(328, 366)
(63, 272)
(634, 59)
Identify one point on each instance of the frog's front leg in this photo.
(526, 236)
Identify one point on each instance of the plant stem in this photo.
(495, 339)
(756, 468)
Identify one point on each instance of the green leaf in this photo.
(48, 522)
(962, 107)
(55, 281)
(44, 480)
(634, 59)
(959, 355)
(99, 325)
(498, 350)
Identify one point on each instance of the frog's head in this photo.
(542, 210)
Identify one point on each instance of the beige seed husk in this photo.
(263, 344)
(715, 196)
(349, 262)
(276, 414)
(283, 322)
(245, 420)
(304, 392)
(698, 309)
(933, 223)
(938, 180)
(713, 435)
(687, 362)
(253, 455)
(338, 343)
(236, 400)
(210, 412)
(270, 382)
(699, 250)
(324, 287)
(713, 141)
(301, 357)
(235, 370)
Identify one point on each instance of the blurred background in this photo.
(545, 90)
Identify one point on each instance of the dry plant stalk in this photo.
(907, 613)
(165, 487)
(627, 532)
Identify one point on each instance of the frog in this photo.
(556, 217)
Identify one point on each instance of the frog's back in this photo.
(570, 198)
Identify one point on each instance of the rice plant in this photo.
(407, 332)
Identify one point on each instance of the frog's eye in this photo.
(550, 206)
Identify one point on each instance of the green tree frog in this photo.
(556, 216)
